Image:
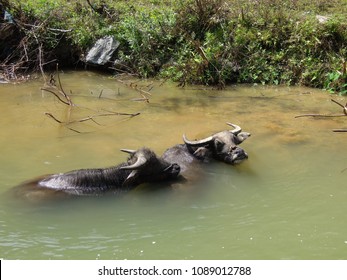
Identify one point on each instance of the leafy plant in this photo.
(336, 82)
(212, 42)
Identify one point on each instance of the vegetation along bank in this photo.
(211, 42)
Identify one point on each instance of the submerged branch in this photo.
(320, 116)
(117, 114)
(54, 118)
(60, 94)
(67, 123)
(141, 91)
(329, 116)
(56, 95)
(89, 118)
(343, 106)
(62, 90)
(57, 91)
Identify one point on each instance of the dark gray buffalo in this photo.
(221, 146)
(142, 166)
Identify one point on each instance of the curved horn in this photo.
(132, 152)
(197, 142)
(141, 160)
(236, 129)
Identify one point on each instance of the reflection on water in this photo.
(287, 201)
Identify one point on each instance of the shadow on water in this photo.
(287, 201)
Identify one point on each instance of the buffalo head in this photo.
(221, 146)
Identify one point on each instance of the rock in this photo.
(102, 51)
(322, 19)
(8, 17)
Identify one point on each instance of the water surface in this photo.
(287, 201)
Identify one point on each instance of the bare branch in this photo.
(319, 116)
(59, 93)
(329, 116)
(62, 90)
(54, 118)
(140, 99)
(338, 103)
(56, 95)
(74, 130)
(343, 106)
(117, 114)
(142, 92)
(92, 118)
(100, 93)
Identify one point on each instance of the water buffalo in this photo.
(142, 166)
(187, 158)
(221, 146)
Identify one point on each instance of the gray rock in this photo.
(102, 51)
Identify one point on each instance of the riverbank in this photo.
(211, 42)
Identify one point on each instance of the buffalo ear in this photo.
(201, 152)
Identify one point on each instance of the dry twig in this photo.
(344, 114)
(343, 106)
(63, 97)
(88, 118)
(327, 116)
(58, 91)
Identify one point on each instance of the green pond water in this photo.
(287, 201)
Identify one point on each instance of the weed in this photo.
(212, 42)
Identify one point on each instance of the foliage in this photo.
(267, 42)
(211, 42)
(337, 81)
(146, 40)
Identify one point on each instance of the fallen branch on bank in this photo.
(48, 28)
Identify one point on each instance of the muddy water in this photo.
(287, 201)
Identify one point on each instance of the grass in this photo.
(211, 42)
